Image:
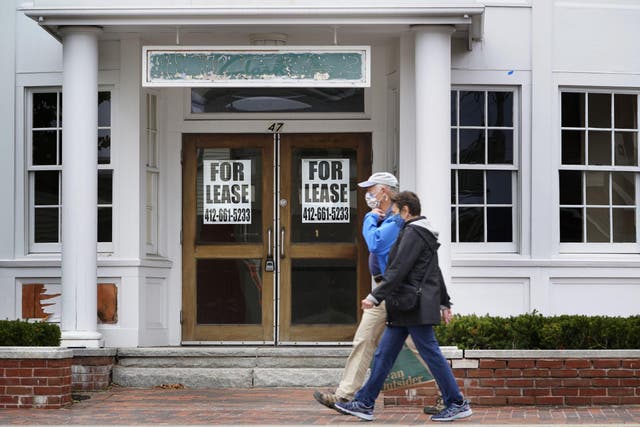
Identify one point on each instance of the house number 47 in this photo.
(276, 127)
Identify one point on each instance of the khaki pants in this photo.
(365, 343)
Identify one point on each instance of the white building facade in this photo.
(209, 213)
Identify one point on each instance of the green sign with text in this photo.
(262, 66)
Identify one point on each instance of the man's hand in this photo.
(378, 212)
(365, 303)
(446, 315)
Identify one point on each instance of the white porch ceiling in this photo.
(355, 18)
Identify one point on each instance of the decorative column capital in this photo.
(75, 29)
(429, 28)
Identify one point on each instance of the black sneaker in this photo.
(454, 412)
(357, 409)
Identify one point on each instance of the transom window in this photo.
(277, 100)
(598, 177)
(45, 167)
(483, 169)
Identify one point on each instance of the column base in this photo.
(81, 339)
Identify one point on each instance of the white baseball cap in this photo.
(384, 178)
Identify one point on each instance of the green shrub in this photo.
(17, 333)
(534, 331)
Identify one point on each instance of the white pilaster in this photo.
(433, 122)
(7, 129)
(79, 187)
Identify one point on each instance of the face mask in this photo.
(372, 201)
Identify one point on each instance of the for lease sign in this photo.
(325, 190)
(226, 191)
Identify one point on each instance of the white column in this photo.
(79, 187)
(433, 121)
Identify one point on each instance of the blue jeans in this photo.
(429, 349)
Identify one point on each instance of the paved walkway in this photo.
(279, 406)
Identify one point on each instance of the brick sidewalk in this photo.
(278, 406)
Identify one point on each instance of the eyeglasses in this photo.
(373, 194)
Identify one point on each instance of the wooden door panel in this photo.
(227, 294)
(328, 277)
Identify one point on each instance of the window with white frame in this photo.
(153, 175)
(44, 137)
(484, 169)
(599, 170)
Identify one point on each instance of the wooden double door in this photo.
(272, 244)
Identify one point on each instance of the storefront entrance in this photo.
(272, 250)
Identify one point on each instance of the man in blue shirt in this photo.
(380, 229)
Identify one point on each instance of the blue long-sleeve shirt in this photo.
(380, 237)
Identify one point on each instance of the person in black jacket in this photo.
(412, 268)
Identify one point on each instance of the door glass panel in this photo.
(335, 221)
(232, 193)
(323, 291)
(229, 291)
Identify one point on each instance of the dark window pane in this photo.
(44, 147)
(454, 146)
(471, 223)
(626, 148)
(499, 225)
(239, 232)
(500, 148)
(471, 146)
(573, 147)
(229, 291)
(46, 225)
(500, 106)
(470, 187)
(104, 146)
(623, 188)
(599, 148)
(597, 188)
(454, 111)
(598, 225)
(105, 224)
(262, 100)
(453, 187)
(105, 185)
(624, 225)
(104, 109)
(471, 108)
(626, 111)
(571, 225)
(45, 110)
(46, 188)
(60, 150)
(323, 292)
(573, 107)
(571, 188)
(315, 232)
(454, 220)
(498, 187)
(599, 110)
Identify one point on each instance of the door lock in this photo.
(269, 265)
(283, 203)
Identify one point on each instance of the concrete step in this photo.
(234, 367)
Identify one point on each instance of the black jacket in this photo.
(414, 252)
